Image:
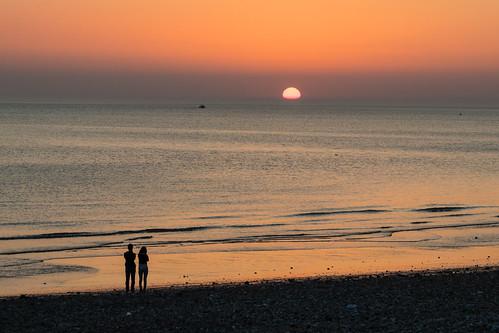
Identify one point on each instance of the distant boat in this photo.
(201, 106)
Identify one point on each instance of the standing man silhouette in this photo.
(130, 268)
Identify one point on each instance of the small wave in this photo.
(440, 209)
(266, 238)
(138, 238)
(58, 223)
(381, 232)
(338, 212)
(450, 226)
(245, 226)
(110, 233)
(420, 222)
(133, 232)
(217, 217)
(450, 215)
(292, 237)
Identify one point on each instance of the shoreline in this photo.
(222, 284)
(459, 300)
(106, 273)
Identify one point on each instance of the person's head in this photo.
(143, 250)
(130, 247)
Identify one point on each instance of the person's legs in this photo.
(127, 279)
(132, 273)
(141, 273)
(146, 272)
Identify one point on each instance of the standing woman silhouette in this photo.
(143, 269)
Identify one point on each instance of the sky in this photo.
(356, 50)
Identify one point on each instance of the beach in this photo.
(462, 300)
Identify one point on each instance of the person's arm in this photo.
(147, 258)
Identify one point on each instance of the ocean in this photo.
(83, 181)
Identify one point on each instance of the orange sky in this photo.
(256, 35)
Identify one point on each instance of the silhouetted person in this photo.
(143, 269)
(130, 267)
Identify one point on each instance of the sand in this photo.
(463, 300)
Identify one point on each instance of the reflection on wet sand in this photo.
(252, 264)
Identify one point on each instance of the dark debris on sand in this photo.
(449, 301)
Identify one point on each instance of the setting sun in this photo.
(291, 93)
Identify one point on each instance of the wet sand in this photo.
(464, 300)
(255, 264)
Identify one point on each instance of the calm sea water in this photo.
(85, 180)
